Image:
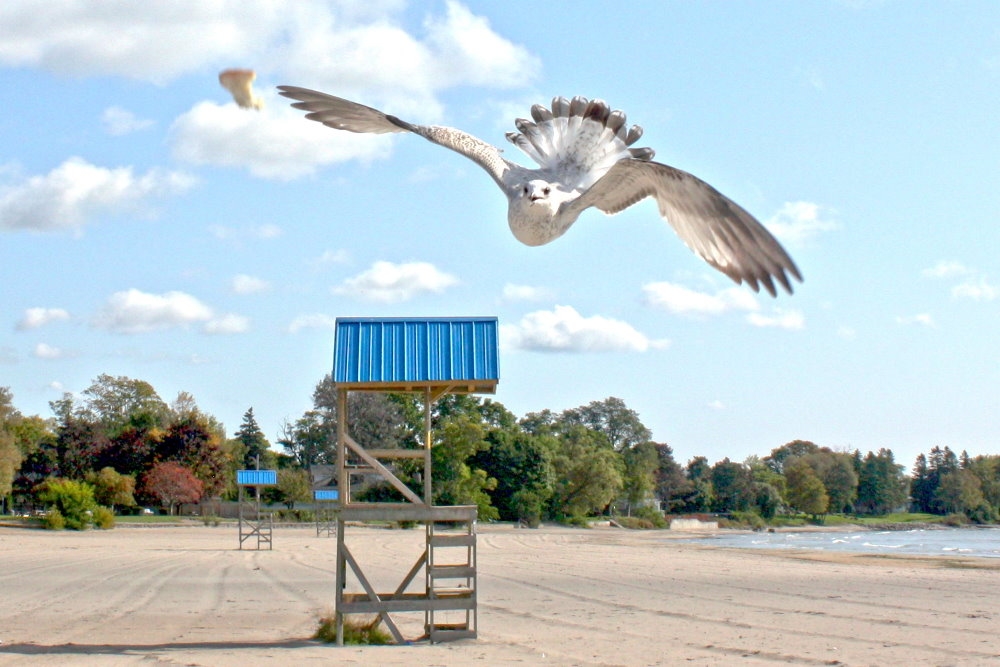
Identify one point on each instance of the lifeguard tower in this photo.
(432, 357)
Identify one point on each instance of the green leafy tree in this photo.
(309, 440)
(836, 471)
(702, 495)
(672, 485)
(455, 481)
(794, 449)
(73, 500)
(639, 480)
(987, 469)
(767, 500)
(806, 491)
(520, 464)
(619, 423)
(117, 402)
(294, 486)
(733, 485)
(10, 453)
(587, 471)
(375, 419)
(112, 489)
(959, 491)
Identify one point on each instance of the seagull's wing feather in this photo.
(712, 225)
(342, 114)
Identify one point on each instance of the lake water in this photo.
(981, 542)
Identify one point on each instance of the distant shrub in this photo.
(294, 515)
(73, 500)
(634, 522)
(955, 520)
(54, 520)
(577, 521)
(355, 632)
(652, 515)
(983, 513)
(210, 520)
(104, 518)
(747, 520)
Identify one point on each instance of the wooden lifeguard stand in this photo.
(432, 357)
(252, 522)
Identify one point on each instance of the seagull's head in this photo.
(533, 212)
(537, 193)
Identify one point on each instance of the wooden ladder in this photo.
(451, 582)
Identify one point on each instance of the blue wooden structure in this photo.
(458, 355)
(432, 356)
(251, 522)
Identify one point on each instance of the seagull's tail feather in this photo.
(342, 114)
(580, 138)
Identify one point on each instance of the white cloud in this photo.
(974, 285)
(334, 257)
(275, 143)
(684, 301)
(947, 269)
(263, 232)
(847, 333)
(976, 289)
(133, 311)
(227, 324)
(717, 405)
(512, 292)
(366, 52)
(76, 191)
(34, 318)
(923, 319)
(46, 351)
(468, 52)
(145, 41)
(797, 222)
(317, 321)
(386, 282)
(244, 284)
(780, 319)
(563, 329)
(119, 122)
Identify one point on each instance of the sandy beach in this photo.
(557, 596)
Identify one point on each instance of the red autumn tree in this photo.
(172, 484)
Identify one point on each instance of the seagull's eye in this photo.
(546, 190)
(525, 189)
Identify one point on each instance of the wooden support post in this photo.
(344, 490)
(428, 444)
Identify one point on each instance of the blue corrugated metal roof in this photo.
(326, 494)
(414, 351)
(257, 477)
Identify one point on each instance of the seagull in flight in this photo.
(585, 158)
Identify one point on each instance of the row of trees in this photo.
(132, 447)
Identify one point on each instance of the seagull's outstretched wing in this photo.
(342, 114)
(713, 226)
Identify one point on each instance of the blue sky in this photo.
(150, 228)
